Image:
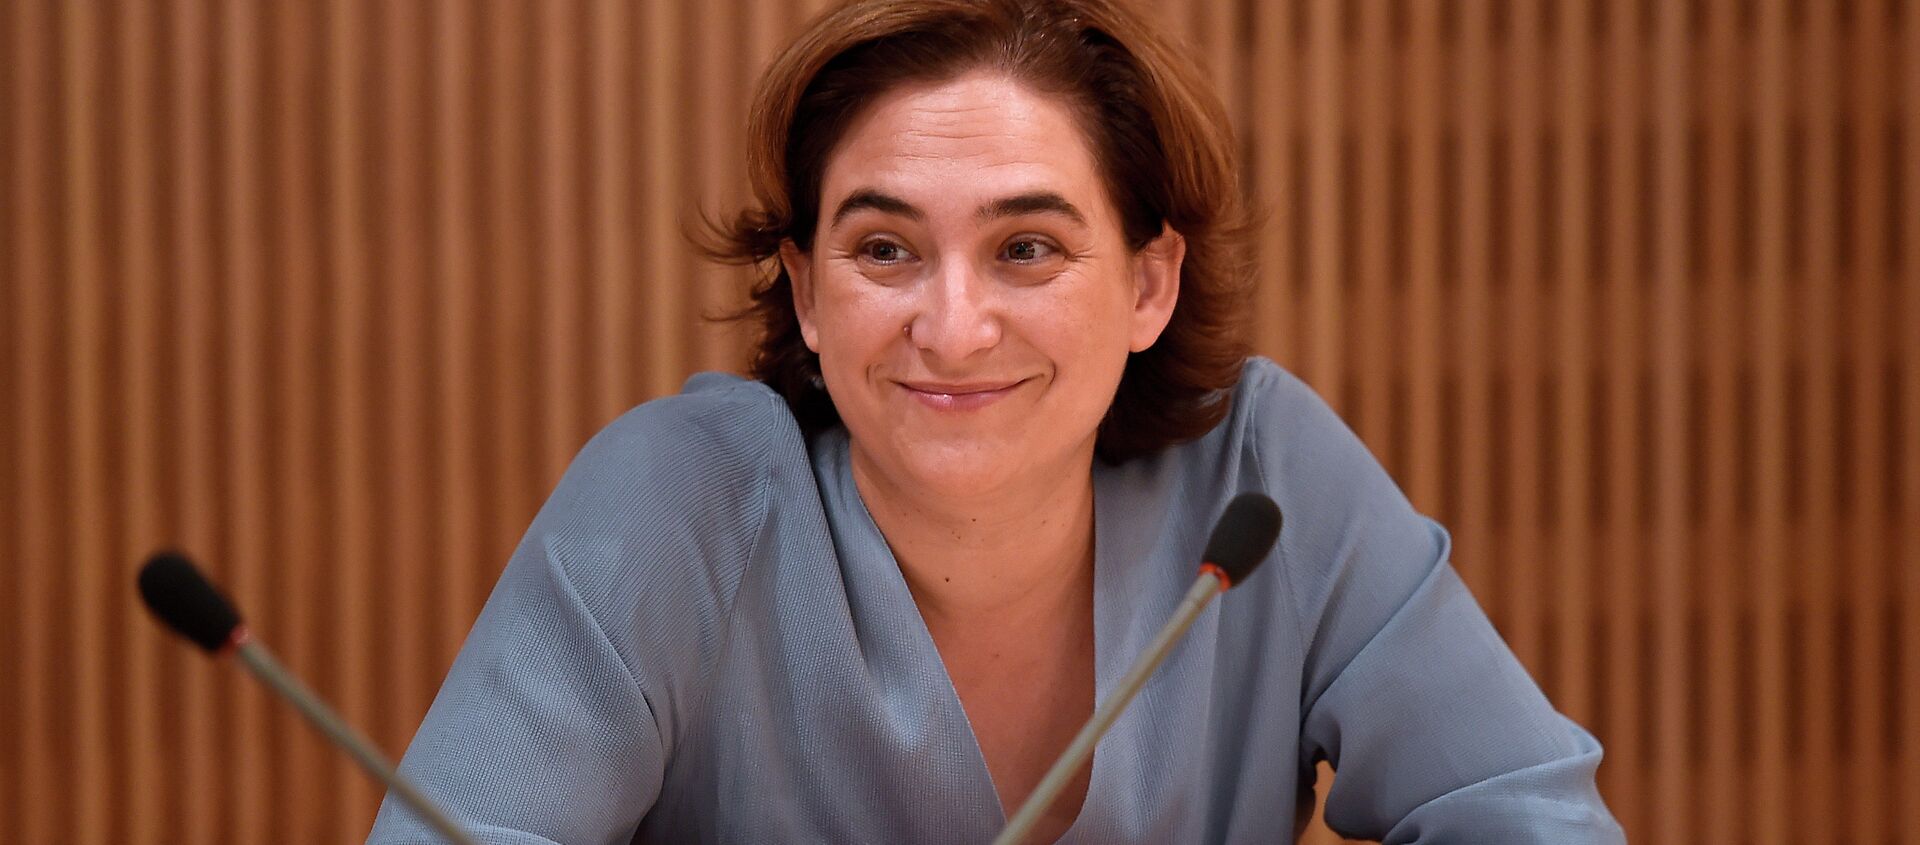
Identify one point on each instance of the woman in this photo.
(1000, 397)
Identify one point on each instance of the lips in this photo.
(966, 396)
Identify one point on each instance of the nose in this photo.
(957, 315)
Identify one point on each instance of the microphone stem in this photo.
(1203, 590)
(263, 666)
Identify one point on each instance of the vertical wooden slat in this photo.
(463, 562)
(348, 439)
(12, 483)
(1865, 550)
(146, 768)
(299, 405)
(197, 786)
(1324, 311)
(1573, 445)
(1909, 435)
(730, 95)
(663, 329)
(1814, 282)
(1374, 248)
(1271, 128)
(1628, 782)
(767, 27)
(614, 284)
(247, 802)
(97, 731)
(404, 552)
(1723, 540)
(557, 343)
(1520, 594)
(85, 301)
(1425, 358)
(1770, 800)
(507, 271)
(1473, 352)
(1670, 582)
(715, 131)
(33, 455)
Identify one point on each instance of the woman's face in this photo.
(969, 291)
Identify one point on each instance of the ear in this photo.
(799, 268)
(1156, 279)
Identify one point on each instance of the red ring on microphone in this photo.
(1225, 582)
(240, 636)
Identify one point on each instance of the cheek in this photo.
(856, 322)
(1089, 331)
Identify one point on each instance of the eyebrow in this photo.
(1032, 202)
(1036, 202)
(868, 198)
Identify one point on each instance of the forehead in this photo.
(947, 147)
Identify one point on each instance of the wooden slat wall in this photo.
(1628, 294)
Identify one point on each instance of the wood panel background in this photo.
(1627, 293)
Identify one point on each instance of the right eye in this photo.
(883, 251)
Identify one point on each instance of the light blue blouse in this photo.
(704, 638)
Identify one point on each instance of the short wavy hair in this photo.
(1160, 137)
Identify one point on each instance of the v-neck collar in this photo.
(899, 650)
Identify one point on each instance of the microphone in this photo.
(186, 602)
(1240, 541)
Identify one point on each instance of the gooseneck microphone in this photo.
(1241, 539)
(189, 604)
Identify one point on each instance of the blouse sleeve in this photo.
(1435, 730)
(557, 719)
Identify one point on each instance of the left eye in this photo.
(1027, 249)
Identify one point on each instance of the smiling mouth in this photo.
(960, 397)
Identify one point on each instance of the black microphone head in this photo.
(1244, 535)
(186, 601)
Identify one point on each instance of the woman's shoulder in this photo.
(1270, 393)
(1285, 423)
(1310, 461)
(721, 430)
(1338, 498)
(713, 412)
(676, 480)
(1294, 434)
(1281, 438)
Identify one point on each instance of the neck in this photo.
(1013, 552)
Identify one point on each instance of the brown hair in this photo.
(1160, 136)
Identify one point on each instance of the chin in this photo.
(963, 457)
(959, 468)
